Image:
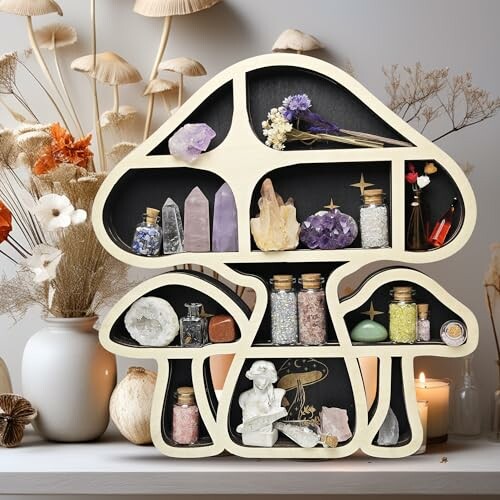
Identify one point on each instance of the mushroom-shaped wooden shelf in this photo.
(234, 103)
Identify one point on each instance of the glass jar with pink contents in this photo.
(185, 417)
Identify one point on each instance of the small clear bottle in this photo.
(147, 236)
(283, 298)
(312, 310)
(373, 220)
(403, 315)
(193, 327)
(185, 417)
(423, 323)
(467, 408)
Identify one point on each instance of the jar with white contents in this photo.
(374, 220)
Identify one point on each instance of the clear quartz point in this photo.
(173, 232)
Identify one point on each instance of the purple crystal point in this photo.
(190, 141)
(196, 222)
(328, 230)
(225, 224)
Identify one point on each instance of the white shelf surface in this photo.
(113, 466)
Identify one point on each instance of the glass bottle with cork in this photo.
(312, 310)
(147, 236)
(193, 327)
(403, 315)
(443, 225)
(373, 220)
(185, 417)
(423, 323)
(283, 298)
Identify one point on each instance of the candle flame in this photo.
(421, 378)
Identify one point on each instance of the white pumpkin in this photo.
(130, 405)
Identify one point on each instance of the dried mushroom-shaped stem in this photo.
(166, 9)
(184, 66)
(296, 40)
(52, 37)
(162, 88)
(15, 413)
(28, 9)
(111, 69)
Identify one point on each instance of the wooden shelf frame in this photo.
(241, 160)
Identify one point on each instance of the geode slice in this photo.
(152, 321)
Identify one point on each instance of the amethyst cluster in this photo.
(190, 141)
(328, 230)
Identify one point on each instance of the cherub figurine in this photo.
(261, 406)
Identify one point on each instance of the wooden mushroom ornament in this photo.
(165, 9)
(130, 405)
(54, 36)
(110, 69)
(296, 40)
(16, 413)
(184, 66)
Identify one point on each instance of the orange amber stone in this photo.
(221, 328)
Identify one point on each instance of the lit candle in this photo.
(423, 411)
(437, 393)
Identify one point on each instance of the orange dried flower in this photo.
(5, 222)
(63, 149)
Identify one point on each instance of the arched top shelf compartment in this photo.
(268, 86)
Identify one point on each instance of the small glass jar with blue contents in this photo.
(147, 236)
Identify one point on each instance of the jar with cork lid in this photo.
(283, 298)
(312, 310)
(185, 417)
(403, 315)
(147, 236)
(423, 323)
(373, 220)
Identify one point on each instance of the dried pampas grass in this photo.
(87, 276)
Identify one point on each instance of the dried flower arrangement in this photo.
(61, 265)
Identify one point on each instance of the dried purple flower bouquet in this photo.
(282, 125)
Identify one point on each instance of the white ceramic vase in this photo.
(5, 383)
(69, 377)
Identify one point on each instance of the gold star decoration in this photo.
(362, 184)
(372, 312)
(331, 205)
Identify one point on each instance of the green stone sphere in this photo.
(369, 331)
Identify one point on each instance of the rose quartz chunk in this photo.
(335, 422)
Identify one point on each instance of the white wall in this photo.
(455, 33)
